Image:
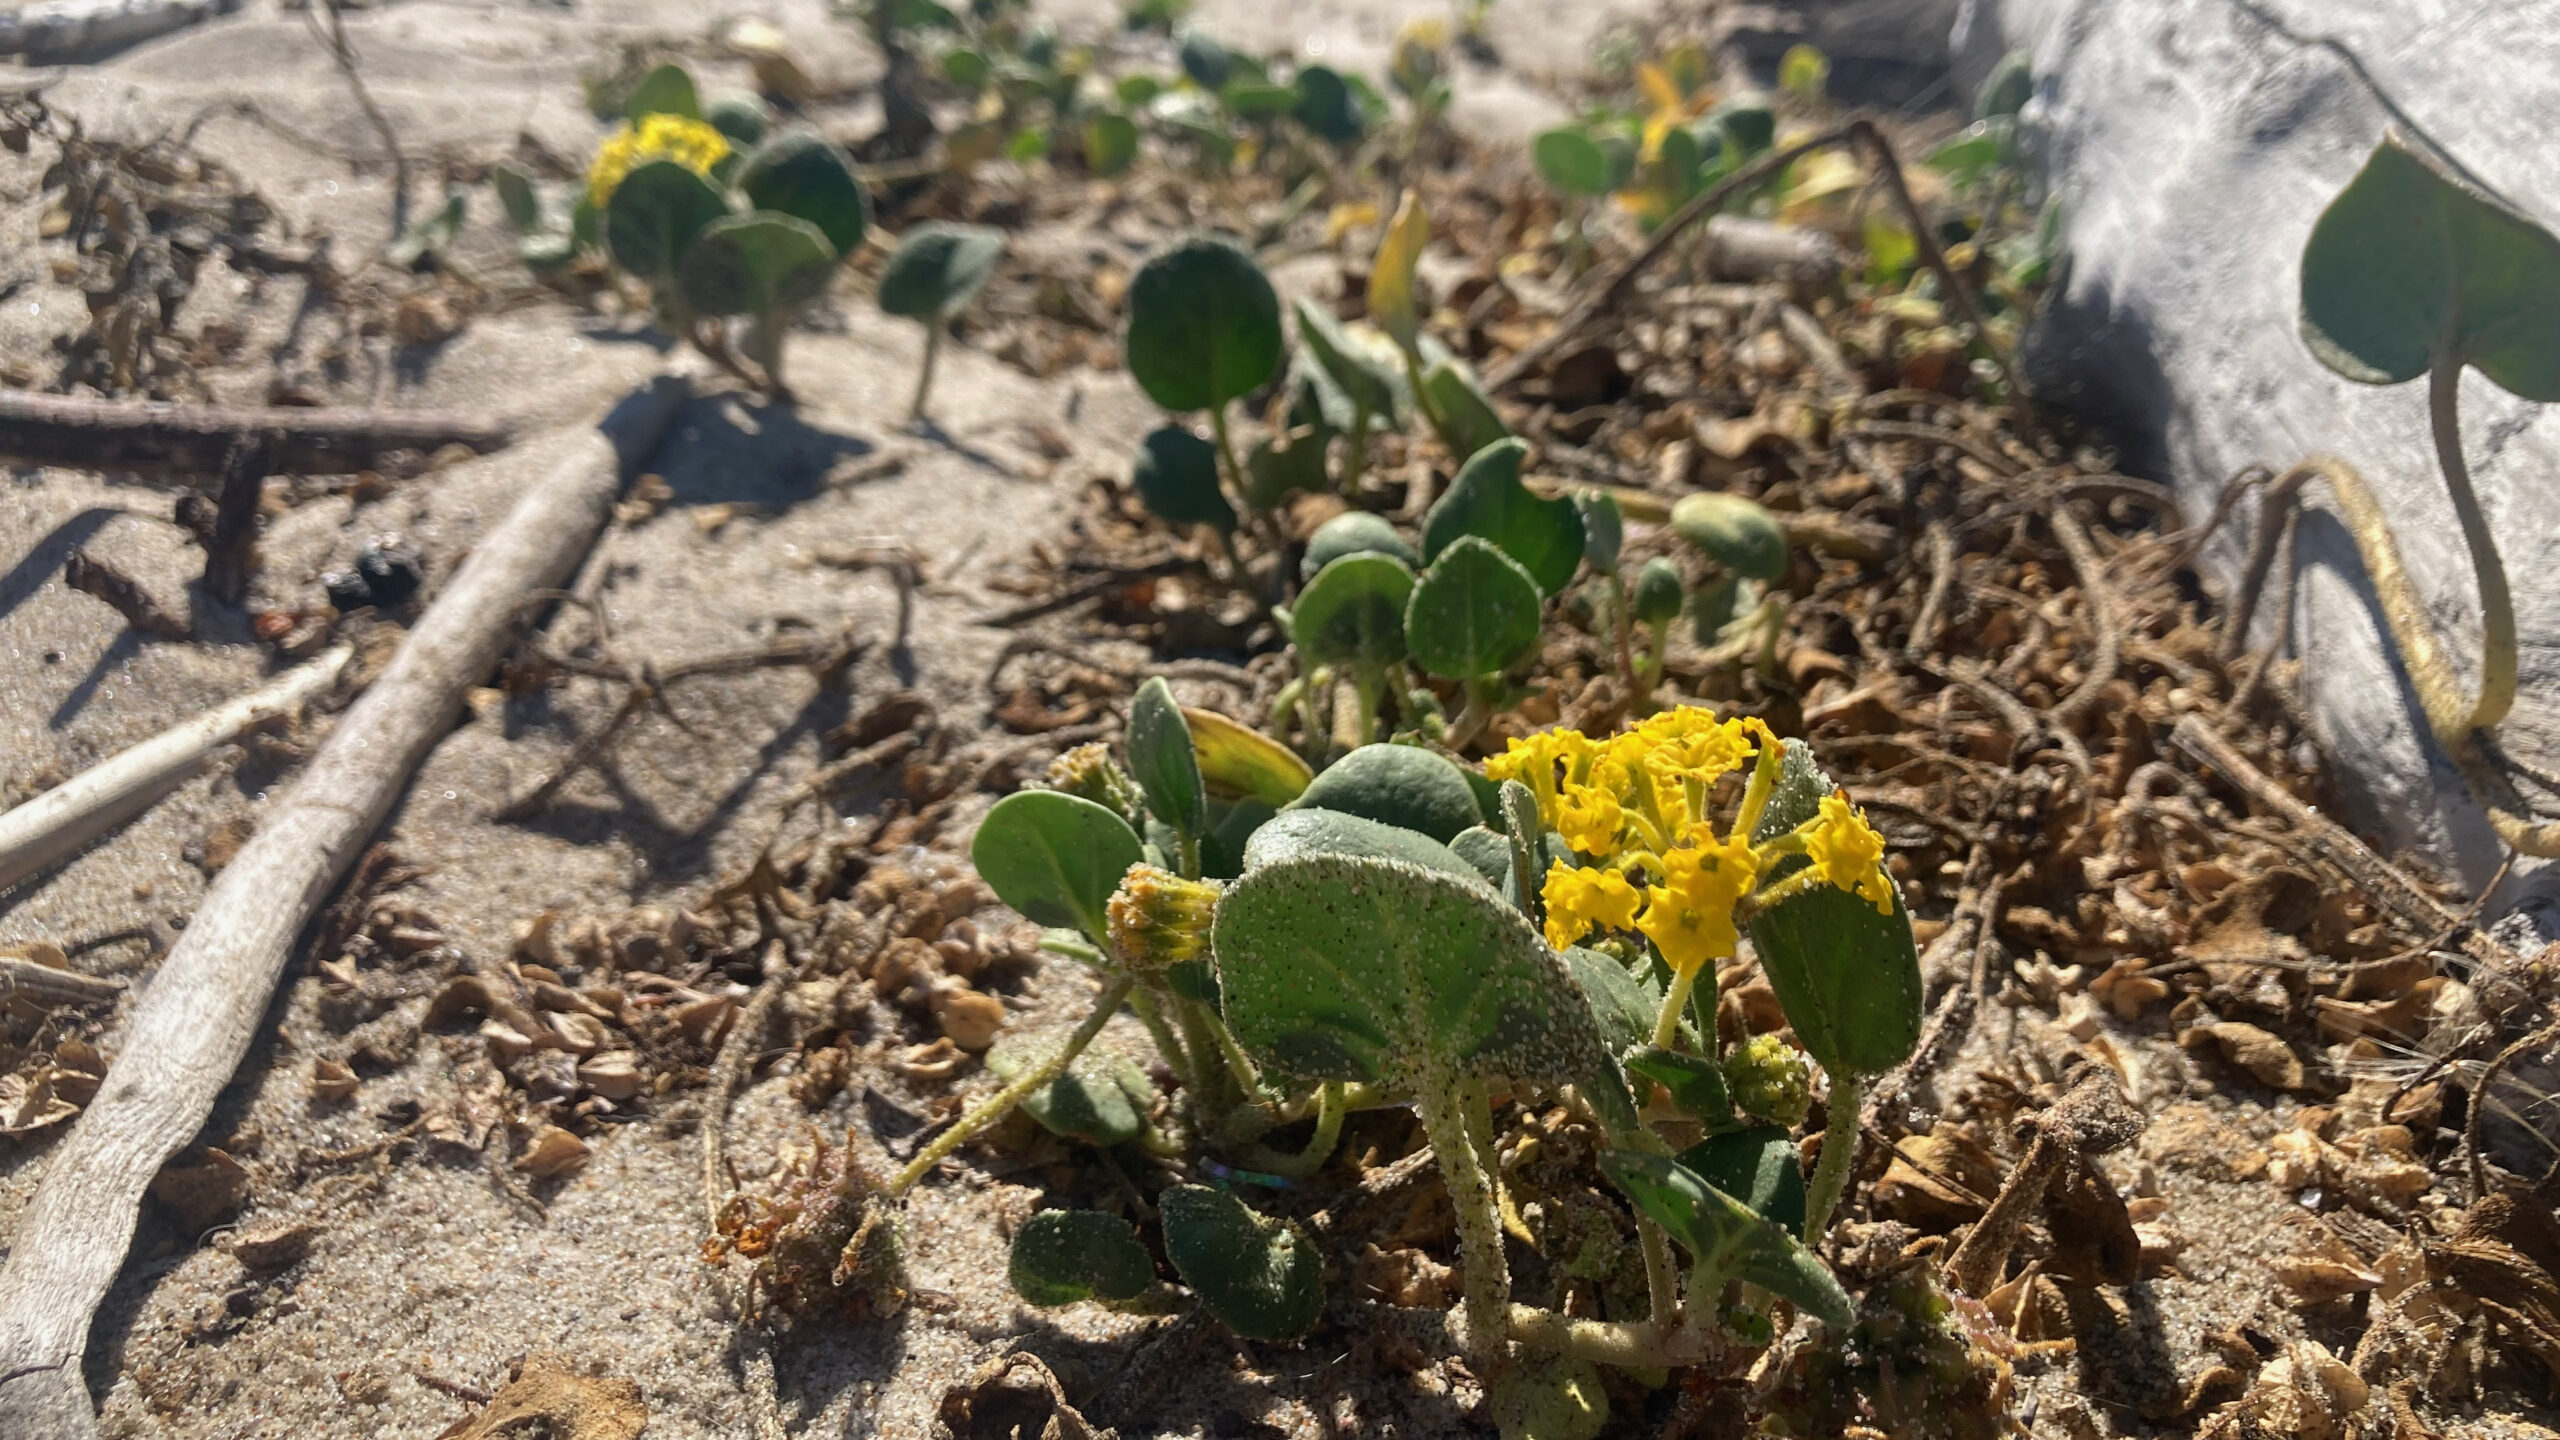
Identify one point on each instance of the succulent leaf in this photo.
(1847, 977)
(1474, 613)
(759, 263)
(1736, 533)
(1488, 500)
(1055, 858)
(1176, 474)
(1402, 785)
(1204, 325)
(1351, 616)
(655, 215)
(1160, 755)
(1062, 1256)
(938, 269)
(1724, 1233)
(1263, 1277)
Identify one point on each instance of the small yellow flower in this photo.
(1589, 816)
(1158, 919)
(1849, 852)
(1580, 901)
(1533, 760)
(1689, 915)
(690, 143)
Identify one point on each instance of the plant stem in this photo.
(1619, 624)
(1666, 1026)
(1359, 451)
(924, 371)
(1487, 1306)
(1001, 1104)
(1661, 1278)
(1150, 1014)
(1214, 1092)
(2497, 606)
(1839, 1145)
(1330, 1108)
(1630, 1343)
(1227, 449)
(1473, 716)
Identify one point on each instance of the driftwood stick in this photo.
(150, 435)
(195, 1023)
(116, 789)
(50, 985)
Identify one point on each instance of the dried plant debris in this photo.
(545, 1396)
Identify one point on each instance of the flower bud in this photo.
(1089, 773)
(1766, 1077)
(1159, 919)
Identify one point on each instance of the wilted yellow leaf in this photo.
(1391, 274)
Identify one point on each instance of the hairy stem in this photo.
(1001, 1104)
(924, 370)
(1839, 1146)
(1330, 1108)
(1149, 1000)
(1666, 1026)
(2497, 606)
(1359, 450)
(1487, 1306)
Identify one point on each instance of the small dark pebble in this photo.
(386, 575)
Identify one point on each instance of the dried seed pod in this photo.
(554, 1153)
(534, 939)
(613, 1074)
(970, 1019)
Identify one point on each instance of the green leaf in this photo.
(1160, 755)
(759, 263)
(1475, 612)
(1736, 533)
(1341, 967)
(1207, 62)
(1571, 161)
(1263, 1277)
(1204, 325)
(1101, 1098)
(744, 119)
(1110, 143)
(654, 217)
(967, 67)
(1177, 476)
(1695, 1083)
(2410, 257)
(1460, 412)
(1758, 1167)
(1232, 826)
(1488, 852)
(1401, 785)
(1255, 99)
(800, 173)
(1891, 250)
(1369, 383)
(1488, 500)
(938, 269)
(1847, 977)
(435, 233)
(517, 197)
(1973, 153)
(1351, 616)
(1622, 1003)
(1062, 1256)
(1026, 146)
(1055, 858)
(2011, 84)
(1354, 532)
(1723, 1233)
(1324, 104)
(666, 90)
(1296, 832)
(1747, 123)
(1659, 592)
(1280, 465)
(1235, 760)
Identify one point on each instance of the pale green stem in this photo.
(1001, 1104)
(2497, 606)
(1330, 1108)
(924, 371)
(1661, 1280)
(1187, 854)
(1488, 1270)
(1633, 1344)
(1666, 1026)
(1212, 1093)
(1151, 1015)
(1839, 1146)
(1227, 449)
(1359, 456)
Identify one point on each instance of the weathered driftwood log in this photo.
(152, 435)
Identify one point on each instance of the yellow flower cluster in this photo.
(690, 143)
(1637, 804)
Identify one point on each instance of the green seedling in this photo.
(1176, 474)
(1324, 102)
(1473, 615)
(1349, 620)
(745, 119)
(936, 271)
(1110, 143)
(2416, 269)
(1263, 1277)
(1355, 532)
(432, 236)
(1456, 405)
(1369, 385)
(1168, 769)
(1487, 500)
(1750, 547)
(666, 89)
(1659, 596)
(1204, 330)
(1099, 1098)
(2011, 84)
(1063, 1256)
(1725, 1238)
(1404, 786)
(1805, 73)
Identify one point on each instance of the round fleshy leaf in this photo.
(2411, 257)
(1758, 1167)
(1747, 123)
(1342, 967)
(1622, 1003)
(1323, 103)
(1847, 977)
(1162, 759)
(1297, 832)
(655, 215)
(801, 173)
(1351, 616)
(665, 90)
(1177, 476)
(938, 269)
(1110, 143)
(1604, 529)
(1460, 411)
(1571, 161)
(1402, 785)
(1659, 592)
(759, 263)
(1208, 63)
(1263, 1277)
(1475, 612)
(1736, 533)
(1055, 858)
(1062, 1256)
(744, 119)
(1204, 325)
(1545, 1396)
(1354, 532)
(1280, 465)
(1101, 1098)
(1488, 500)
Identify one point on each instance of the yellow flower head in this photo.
(1849, 852)
(690, 143)
(1580, 901)
(1689, 915)
(1533, 760)
(1589, 816)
